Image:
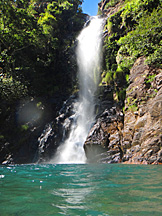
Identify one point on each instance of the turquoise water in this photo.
(98, 189)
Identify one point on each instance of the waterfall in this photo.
(89, 60)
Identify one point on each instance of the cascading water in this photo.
(89, 59)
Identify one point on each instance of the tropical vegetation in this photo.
(134, 30)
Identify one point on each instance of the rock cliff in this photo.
(142, 132)
(129, 129)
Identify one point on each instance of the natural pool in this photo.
(87, 189)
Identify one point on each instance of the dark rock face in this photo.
(103, 143)
(56, 131)
(23, 127)
(40, 128)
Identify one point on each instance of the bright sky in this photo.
(90, 7)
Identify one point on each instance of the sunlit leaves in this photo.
(146, 38)
(35, 37)
(48, 21)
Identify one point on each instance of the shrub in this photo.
(145, 40)
(111, 3)
(11, 90)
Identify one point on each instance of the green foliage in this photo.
(150, 78)
(135, 9)
(112, 3)
(120, 74)
(24, 127)
(110, 52)
(109, 26)
(12, 90)
(116, 21)
(39, 104)
(36, 37)
(124, 59)
(99, 12)
(1, 137)
(127, 78)
(133, 108)
(132, 104)
(156, 90)
(36, 55)
(134, 30)
(120, 95)
(107, 78)
(48, 21)
(145, 40)
(156, 57)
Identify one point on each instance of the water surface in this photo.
(97, 189)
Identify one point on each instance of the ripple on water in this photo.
(81, 190)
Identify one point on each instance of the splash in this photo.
(89, 61)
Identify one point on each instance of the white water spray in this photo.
(89, 60)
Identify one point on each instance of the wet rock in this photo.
(159, 156)
(103, 143)
(56, 131)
